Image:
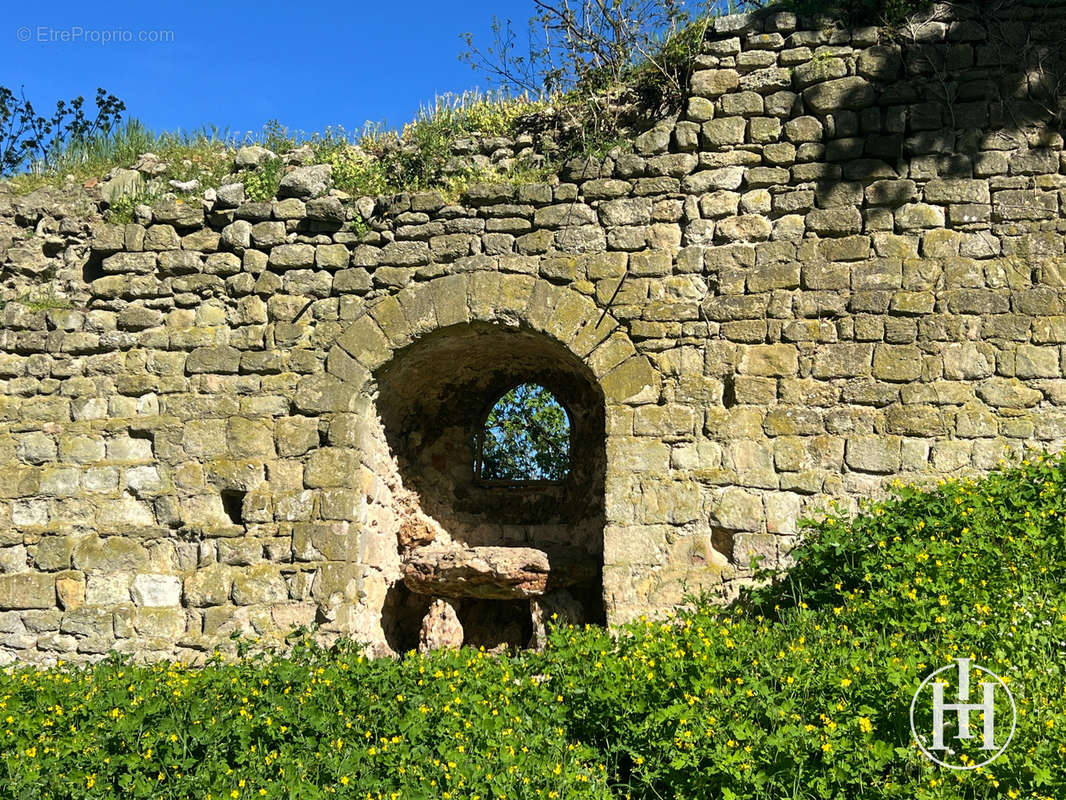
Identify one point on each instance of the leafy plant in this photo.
(526, 436)
(801, 691)
(589, 44)
(607, 66)
(261, 183)
(26, 137)
(121, 211)
(278, 138)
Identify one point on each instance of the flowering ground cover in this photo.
(801, 690)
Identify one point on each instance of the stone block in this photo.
(27, 590)
(876, 454)
(210, 586)
(714, 82)
(769, 360)
(897, 363)
(153, 590)
(842, 360)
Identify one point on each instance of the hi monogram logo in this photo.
(955, 716)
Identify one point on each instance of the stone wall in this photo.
(842, 265)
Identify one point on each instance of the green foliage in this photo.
(277, 137)
(586, 44)
(804, 689)
(801, 691)
(41, 300)
(121, 211)
(604, 64)
(526, 437)
(317, 724)
(661, 80)
(261, 183)
(28, 138)
(204, 155)
(381, 161)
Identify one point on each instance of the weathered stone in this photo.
(843, 93)
(878, 454)
(210, 586)
(440, 628)
(744, 228)
(123, 183)
(156, 590)
(27, 590)
(714, 82)
(292, 256)
(739, 510)
(220, 359)
(725, 131)
(1008, 393)
(251, 156)
(769, 360)
(330, 466)
(501, 573)
(956, 190)
(261, 584)
(305, 182)
(141, 263)
(897, 362)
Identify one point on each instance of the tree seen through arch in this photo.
(525, 437)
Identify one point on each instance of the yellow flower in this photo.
(846, 682)
(865, 725)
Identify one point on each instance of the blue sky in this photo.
(238, 65)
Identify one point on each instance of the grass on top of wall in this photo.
(801, 690)
(374, 161)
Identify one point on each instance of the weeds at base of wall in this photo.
(802, 690)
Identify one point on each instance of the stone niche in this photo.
(485, 561)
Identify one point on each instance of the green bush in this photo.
(804, 689)
(380, 161)
(799, 691)
(261, 183)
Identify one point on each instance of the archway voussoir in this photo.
(516, 291)
(366, 343)
(448, 295)
(569, 316)
(609, 354)
(390, 317)
(483, 295)
(343, 366)
(542, 304)
(597, 330)
(418, 307)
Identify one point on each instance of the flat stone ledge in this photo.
(495, 573)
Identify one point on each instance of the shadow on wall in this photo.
(948, 96)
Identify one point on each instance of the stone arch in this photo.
(391, 323)
(554, 331)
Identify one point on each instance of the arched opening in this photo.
(525, 438)
(500, 432)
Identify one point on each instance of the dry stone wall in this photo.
(842, 265)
